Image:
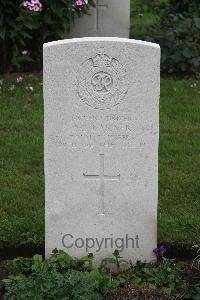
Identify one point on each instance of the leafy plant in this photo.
(59, 277)
(186, 7)
(36, 278)
(175, 27)
(52, 285)
(59, 261)
(114, 265)
(174, 279)
(22, 29)
(179, 39)
(64, 277)
(105, 283)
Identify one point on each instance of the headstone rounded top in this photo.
(101, 39)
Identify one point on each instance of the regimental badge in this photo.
(102, 81)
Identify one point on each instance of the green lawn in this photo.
(143, 13)
(21, 162)
(140, 15)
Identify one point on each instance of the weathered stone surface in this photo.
(108, 18)
(101, 146)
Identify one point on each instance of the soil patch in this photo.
(11, 252)
(132, 292)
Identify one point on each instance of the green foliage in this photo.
(59, 277)
(23, 29)
(179, 39)
(52, 285)
(114, 265)
(187, 7)
(64, 277)
(105, 283)
(168, 276)
(59, 261)
(175, 25)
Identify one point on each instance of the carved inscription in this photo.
(98, 131)
(102, 82)
(89, 131)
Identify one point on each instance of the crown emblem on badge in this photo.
(102, 60)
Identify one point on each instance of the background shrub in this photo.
(175, 26)
(22, 29)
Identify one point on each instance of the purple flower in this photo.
(19, 79)
(160, 251)
(114, 274)
(33, 5)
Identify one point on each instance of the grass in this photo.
(140, 16)
(21, 162)
(179, 164)
(143, 13)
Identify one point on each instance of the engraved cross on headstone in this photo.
(102, 177)
(100, 5)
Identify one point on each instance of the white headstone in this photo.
(108, 18)
(101, 146)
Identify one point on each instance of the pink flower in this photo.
(81, 2)
(29, 88)
(33, 5)
(25, 52)
(19, 79)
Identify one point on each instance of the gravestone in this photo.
(108, 18)
(101, 99)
